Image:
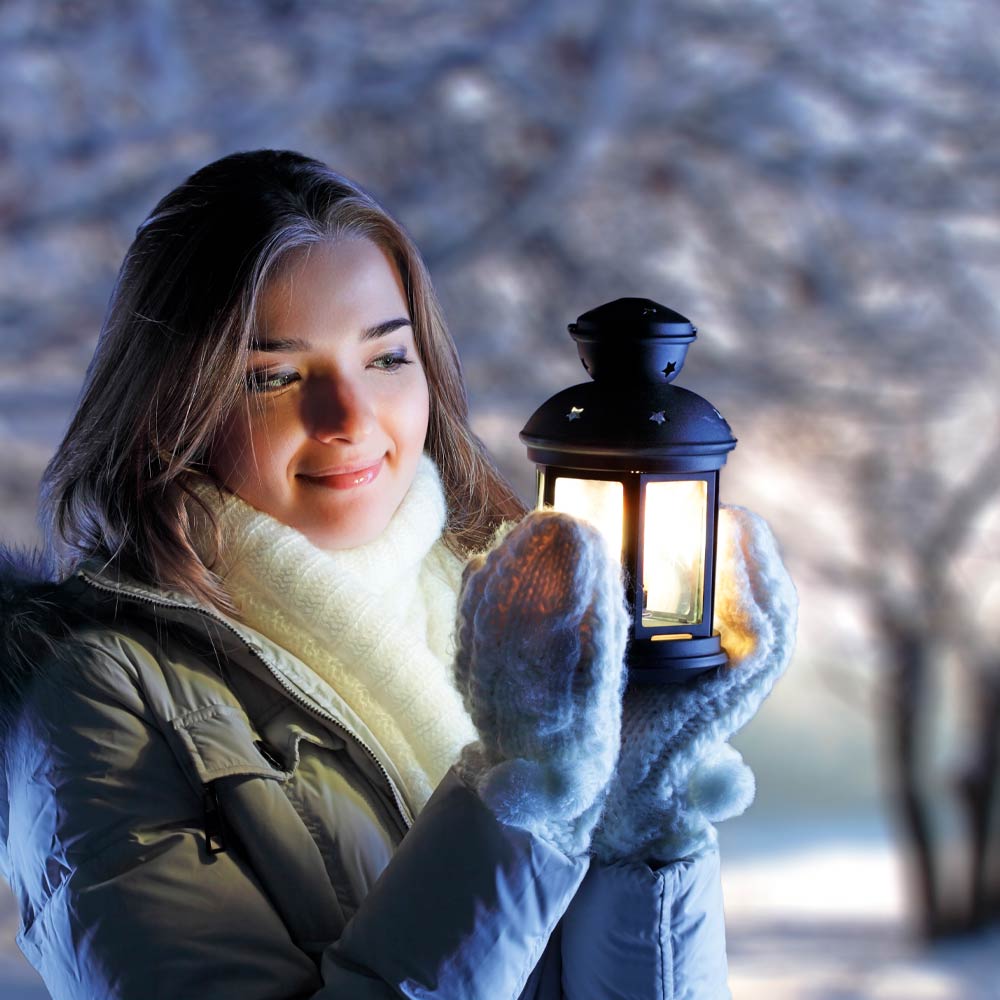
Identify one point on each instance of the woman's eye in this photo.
(391, 361)
(265, 381)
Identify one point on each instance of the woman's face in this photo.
(336, 405)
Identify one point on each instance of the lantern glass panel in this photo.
(600, 502)
(673, 559)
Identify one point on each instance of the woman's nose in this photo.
(338, 409)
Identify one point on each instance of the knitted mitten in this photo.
(539, 664)
(676, 774)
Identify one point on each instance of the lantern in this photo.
(639, 458)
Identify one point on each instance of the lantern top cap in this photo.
(630, 417)
(630, 340)
(633, 319)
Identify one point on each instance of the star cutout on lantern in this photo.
(574, 413)
(658, 417)
(670, 369)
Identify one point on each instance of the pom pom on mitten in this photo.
(539, 664)
(721, 786)
(676, 775)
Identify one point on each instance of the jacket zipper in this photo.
(290, 691)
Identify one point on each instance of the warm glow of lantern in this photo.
(674, 552)
(600, 502)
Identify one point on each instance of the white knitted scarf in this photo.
(375, 622)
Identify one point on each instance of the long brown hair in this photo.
(170, 360)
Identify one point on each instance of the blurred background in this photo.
(815, 184)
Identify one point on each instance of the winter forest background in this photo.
(816, 184)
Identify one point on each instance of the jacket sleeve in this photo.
(475, 902)
(119, 897)
(639, 933)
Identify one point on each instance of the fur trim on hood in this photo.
(35, 614)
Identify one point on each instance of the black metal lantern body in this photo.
(640, 458)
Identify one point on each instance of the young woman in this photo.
(292, 717)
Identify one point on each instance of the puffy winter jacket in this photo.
(180, 816)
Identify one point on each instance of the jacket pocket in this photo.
(217, 741)
(226, 758)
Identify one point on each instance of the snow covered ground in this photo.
(855, 959)
(817, 915)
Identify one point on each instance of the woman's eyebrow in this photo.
(277, 345)
(383, 329)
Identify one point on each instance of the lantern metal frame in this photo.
(600, 430)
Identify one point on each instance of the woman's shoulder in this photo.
(68, 636)
(47, 628)
(94, 638)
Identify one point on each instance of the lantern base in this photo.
(673, 661)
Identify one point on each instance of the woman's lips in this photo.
(347, 480)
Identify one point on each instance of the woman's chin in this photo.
(339, 537)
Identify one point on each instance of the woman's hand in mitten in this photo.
(541, 641)
(676, 774)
